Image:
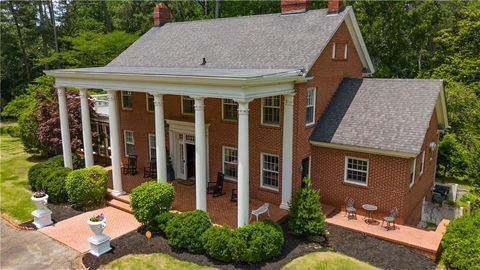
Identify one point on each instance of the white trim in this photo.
(422, 166)
(279, 111)
(334, 52)
(441, 109)
(125, 141)
(121, 99)
(147, 95)
(358, 41)
(314, 103)
(346, 169)
(150, 136)
(261, 171)
(334, 48)
(345, 54)
(413, 169)
(182, 108)
(364, 149)
(223, 162)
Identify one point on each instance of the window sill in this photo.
(227, 121)
(340, 59)
(309, 125)
(127, 109)
(269, 126)
(352, 184)
(267, 189)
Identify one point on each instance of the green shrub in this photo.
(305, 215)
(256, 242)
(40, 171)
(162, 219)
(54, 184)
(473, 197)
(87, 187)
(184, 230)
(461, 243)
(149, 200)
(57, 161)
(12, 130)
(214, 242)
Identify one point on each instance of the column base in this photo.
(42, 218)
(99, 245)
(285, 206)
(118, 193)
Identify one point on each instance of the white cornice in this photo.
(364, 150)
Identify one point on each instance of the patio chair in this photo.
(350, 211)
(216, 188)
(262, 209)
(151, 170)
(390, 219)
(131, 167)
(234, 196)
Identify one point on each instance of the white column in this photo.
(65, 128)
(161, 153)
(115, 145)
(287, 152)
(200, 155)
(243, 164)
(86, 128)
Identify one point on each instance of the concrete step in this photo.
(120, 205)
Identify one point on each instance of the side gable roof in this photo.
(272, 41)
(390, 115)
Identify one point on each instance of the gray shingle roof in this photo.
(384, 114)
(271, 41)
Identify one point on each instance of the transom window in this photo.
(310, 117)
(270, 171)
(230, 166)
(127, 101)
(356, 170)
(271, 110)
(129, 143)
(230, 109)
(150, 103)
(188, 105)
(152, 146)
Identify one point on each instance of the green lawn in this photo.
(14, 165)
(152, 261)
(327, 261)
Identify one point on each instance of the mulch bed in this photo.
(377, 252)
(59, 212)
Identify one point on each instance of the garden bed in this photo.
(60, 212)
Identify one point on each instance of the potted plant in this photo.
(97, 225)
(40, 199)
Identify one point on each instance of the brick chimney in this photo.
(161, 14)
(334, 6)
(294, 6)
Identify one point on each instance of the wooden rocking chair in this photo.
(216, 188)
(151, 170)
(131, 167)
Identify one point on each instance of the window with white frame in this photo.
(270, 171)
(129, 143)
(188, 105)
(230, 109)
(150, 103)
(230, 165)
(422, 165)
(356, 170)
(339, 51)
(271, 110)
(127, 101)
(310, 118)
(152, 146)
(413, 169)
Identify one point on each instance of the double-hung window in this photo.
(150, 103)
(230, 165)
(152, 146)
(356, 170)
(271, 110)
(230, 109)
(129, 143)
(310, 117)
(127, 101)
(188, 105)
(270, 171)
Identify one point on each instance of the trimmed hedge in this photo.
(215, 241)
(54, 184)
(185, 230)
(87, 187)
(162, 219)
(461, 243)
(40, 171)
(151, 199)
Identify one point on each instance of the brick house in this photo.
(267, 100)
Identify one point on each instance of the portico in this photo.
(241, 85)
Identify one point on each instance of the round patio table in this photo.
(369, 208)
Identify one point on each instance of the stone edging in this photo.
(11, 222)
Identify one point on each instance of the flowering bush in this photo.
(97, 218)
(39, 194)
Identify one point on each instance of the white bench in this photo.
(261, 210)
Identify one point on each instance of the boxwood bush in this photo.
(161, 220)
(215, 241)
(54, 184)
(461, 243)
(185, 230)
(149, 200)
(256, 242)
(305, 215)
(38, 172)
(87, 187)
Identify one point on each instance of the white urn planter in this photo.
(42, 216)
(99, 243)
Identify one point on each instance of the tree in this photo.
(452, 156)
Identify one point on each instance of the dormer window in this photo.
(339, 51)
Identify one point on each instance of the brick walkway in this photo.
(75, 231)
(427, 242)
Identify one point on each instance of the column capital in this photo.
(112, 95)
(61, 91)
(83, 92)
(199, 103)
(157, 99)
(289, 99)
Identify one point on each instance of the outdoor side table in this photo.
(369, 208)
